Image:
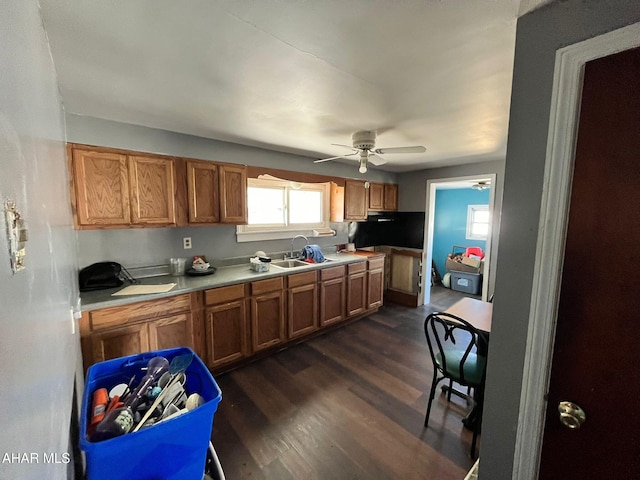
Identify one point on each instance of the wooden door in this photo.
(597, 343)
(171, 332)
(233, 194)
(376, 196)
(101, 188)
(302, 309)
(357, 289)
(203, 191)
(153, 190)
(375, 283)
(390, 196)
(267, 320)
(226, 333)
(355, 200)
(332, 301)
(120, 342)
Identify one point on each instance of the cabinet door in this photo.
(302, 309)
(332, 301)
(376, 196)
(203, 191)
(233, 194)
(226, 333)
(390, 196)
(171, 332)
(356, 293)
(101, 188)
(153, 191)
(355, 200)
(267, 320)
(119, 342)
(375, 287)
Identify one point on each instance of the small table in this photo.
(478, 314)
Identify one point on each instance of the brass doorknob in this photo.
(571, 415)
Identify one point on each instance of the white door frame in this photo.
(429, 228)
(554, 212)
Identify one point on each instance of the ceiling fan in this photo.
(481, 185)
(364, 143)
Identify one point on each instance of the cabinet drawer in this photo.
(357, 267)
(224, 294)
(304, 278)
(375, 263)
(333, 272)
(113, 316)
(269, 285)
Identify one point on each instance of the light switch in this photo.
(17, 236)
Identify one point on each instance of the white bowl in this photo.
(201, 267)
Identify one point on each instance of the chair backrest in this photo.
(457, 348)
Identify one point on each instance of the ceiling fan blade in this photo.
(393, 150)
(343, 145)
(376, 159)
(335, 158)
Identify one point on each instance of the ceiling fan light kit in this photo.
(481, 186)
(364, 143)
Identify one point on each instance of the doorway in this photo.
(446, 183)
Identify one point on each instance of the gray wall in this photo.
(539, 35)
(38, 351)
(154, 246)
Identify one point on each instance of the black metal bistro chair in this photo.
(458, 352)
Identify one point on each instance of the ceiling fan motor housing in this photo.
(364, 140)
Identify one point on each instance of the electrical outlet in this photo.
(186, 243)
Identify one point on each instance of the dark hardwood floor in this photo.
(349, 404)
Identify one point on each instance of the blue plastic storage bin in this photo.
(172, 450)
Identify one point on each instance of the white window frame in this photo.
(251, 233)
(471, 209)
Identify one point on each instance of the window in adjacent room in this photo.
(280, 209)
(477, 222)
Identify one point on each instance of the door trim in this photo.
(429, 224)
(552, 227)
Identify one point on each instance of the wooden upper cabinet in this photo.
(233, 194)
(383, 197)
(390, 196)
(100, 185)
(203, 191)
(355, 200)
(153, 190)
(376, 196)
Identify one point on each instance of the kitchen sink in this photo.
(290, 263)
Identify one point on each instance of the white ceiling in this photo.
(296, 75)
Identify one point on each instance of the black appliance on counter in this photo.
(395, 229)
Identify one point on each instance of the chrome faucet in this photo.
(293, 240)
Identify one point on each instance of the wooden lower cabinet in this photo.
(139, 327)
(226, 325)
(332, 295)
(267, 313)
(302, 304)
(357, 289)
(119, 342)
(226, 333)
(375, 282)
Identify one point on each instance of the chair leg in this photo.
(450, 389)
(432, 395)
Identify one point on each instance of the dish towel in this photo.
(313, 252)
